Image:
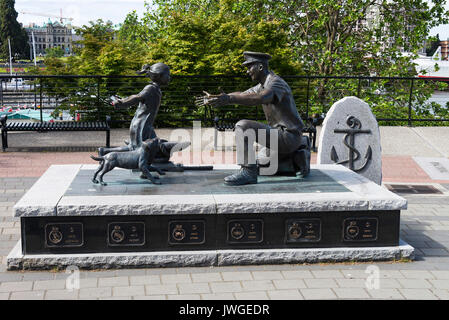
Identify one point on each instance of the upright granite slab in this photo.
(194, 219)
(350, 137)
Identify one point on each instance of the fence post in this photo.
(307, 98)
(1, 92)
(410, 104)
(359, 88)
(98, 99)
(40, 100)
(35, 95)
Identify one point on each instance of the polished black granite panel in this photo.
(126, 182)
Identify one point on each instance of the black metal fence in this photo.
(394, 100)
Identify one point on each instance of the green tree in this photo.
(207, 37)
(10, 28)
(55, 52)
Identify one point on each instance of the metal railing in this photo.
(394, 100)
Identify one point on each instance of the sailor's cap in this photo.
(252, 57)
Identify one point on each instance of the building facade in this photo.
(51, 35)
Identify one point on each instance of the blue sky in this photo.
(83, 11)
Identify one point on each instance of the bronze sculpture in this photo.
(139, 158)
(142, 124)
(276, 98)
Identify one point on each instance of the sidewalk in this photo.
(425, 225)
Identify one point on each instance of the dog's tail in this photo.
(96, 158)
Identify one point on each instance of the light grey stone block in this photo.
(43, 196)
(363, 195)
(16, 260)
(333, 144)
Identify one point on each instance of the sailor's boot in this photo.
(246, 175)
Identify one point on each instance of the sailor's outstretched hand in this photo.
(212, 100)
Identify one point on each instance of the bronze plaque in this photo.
(245, 231)
(186, 232)
(304, 230)
(126, 234)
(360, 229)
(58, 235)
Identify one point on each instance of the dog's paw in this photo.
(157, 182)
(95, 181)
(103, 183)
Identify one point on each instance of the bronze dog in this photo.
(141, 158)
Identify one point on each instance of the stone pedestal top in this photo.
(67, 190)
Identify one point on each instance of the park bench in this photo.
(47, 126)
(222, 123)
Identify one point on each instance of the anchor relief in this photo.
(355, 127)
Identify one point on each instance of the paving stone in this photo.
(254, 295)
(159, 271)
(236, 276)
(435, 252)
(175, 278)
(116, 298)
(113, 282)
(27, 295)
(440, 293)
(439, 274)
(49, 284)
(414, 283)
(267, 275)
(16, 286)
(289, 284)
(4, 296)
(206, 277)
(187, 288)
(155, 297)
(98, 274)
(327, 274)
(61, 294)
(128, 291)
(389, 283)
(385, 294)
(351, 293)
(130, 272)
(297, 274)
(257, 285)
(390, 273)
(146, 279)
(184, 297)
(320, 283)
(355, 274)
(91, 293)
(351, 283)
(192, 270)
(418, 294)
(317, 294)
(440, 283)
(290, 294)
(159, 289)
(231, 286)
(8, 277)
(88, 283)
(218, 296)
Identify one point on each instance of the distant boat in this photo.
(433, 67)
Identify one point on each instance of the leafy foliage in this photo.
(310, 37)
(10, 28)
